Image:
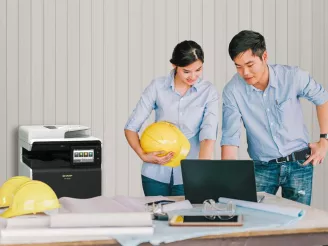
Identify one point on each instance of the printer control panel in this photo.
(86, 155)
(59, 154)
(83, 155)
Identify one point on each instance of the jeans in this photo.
(153, 187)
(294, 179)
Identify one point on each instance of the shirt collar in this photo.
(171, 81)
(272, 81)
(197, 84)
(272, 77)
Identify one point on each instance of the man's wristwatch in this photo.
(325, 136)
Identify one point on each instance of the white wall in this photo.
(87, 61)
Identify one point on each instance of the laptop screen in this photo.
(211, 179)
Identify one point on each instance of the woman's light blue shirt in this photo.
(195, 114)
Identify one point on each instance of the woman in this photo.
(186, 100)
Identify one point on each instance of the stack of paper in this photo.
(132, 219)
(26, 221)
(102, 204)
(99, 216)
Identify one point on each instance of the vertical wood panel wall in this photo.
(87, 62)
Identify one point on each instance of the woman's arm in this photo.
(134, 142)
(206, 149)
(209, 126)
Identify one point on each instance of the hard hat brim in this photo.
(42, 196)
(8, 189)
(8, 213)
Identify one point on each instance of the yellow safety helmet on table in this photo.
(8, 189)
(30, 198)
(164, 136)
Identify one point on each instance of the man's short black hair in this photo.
(246, 40)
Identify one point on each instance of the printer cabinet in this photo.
(71, 182)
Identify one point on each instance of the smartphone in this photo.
(200, 220)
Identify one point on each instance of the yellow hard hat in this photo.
(164, 136)
(30, 198)
(8, 189)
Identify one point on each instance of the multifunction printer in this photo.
(65, 157)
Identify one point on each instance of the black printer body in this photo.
(70, 164)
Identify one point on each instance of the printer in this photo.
(65, 157)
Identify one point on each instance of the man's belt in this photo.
(296, 156)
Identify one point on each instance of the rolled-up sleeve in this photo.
(209, 125)
(310, 89)
(231, 119)
(143, 109)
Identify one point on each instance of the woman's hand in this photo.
(153, 157)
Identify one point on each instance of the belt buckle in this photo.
(287, 159)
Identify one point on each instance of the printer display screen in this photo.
(84, 155)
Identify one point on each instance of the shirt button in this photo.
(264, 94)
(181, 98)
(271, 123)
(268, 109)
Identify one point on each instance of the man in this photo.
(266, 99)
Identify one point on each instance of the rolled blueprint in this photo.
(132, 219)
(279, 209)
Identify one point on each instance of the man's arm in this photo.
(322, 113)
(229, 152)
(231, 124)
(316, 93)
(319, 149)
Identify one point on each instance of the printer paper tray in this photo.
(34, 163)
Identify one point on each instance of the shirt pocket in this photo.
(289, 118)
(194, 117)
(284, 112)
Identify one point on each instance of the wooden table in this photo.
(312, 229)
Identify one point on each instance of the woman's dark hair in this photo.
(246, 40)
(186, 53)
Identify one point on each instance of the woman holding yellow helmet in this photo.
(186, 112)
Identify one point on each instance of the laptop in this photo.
(211, 179)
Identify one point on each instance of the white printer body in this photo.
(65, 157)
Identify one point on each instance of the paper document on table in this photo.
(119, 211)
(64, 232)
(102, 204)
(279, 209)
(79, 220)
(26, 221)
(98, 216)
(99, 204)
